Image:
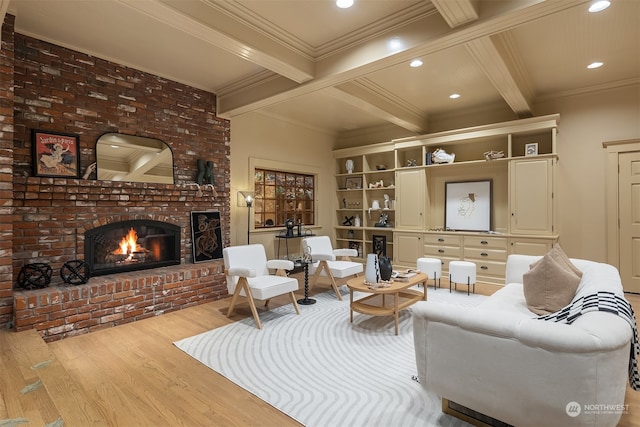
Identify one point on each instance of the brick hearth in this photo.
(64, 311)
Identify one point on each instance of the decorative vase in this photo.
(384, 264)
(372, 270)
(357, 221)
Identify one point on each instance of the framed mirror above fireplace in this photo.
(131, 158)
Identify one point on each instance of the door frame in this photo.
(614, 148)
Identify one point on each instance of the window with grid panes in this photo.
(281, 196)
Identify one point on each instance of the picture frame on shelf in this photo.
(206, 235)
(379, 245)
(55, 154)
(531, 149)
(353, 183)
(468, 205)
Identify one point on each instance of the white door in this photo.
(629, 211)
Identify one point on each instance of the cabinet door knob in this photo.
(440, 239)
(441, 251)
(484, 242)
(484, 254)
(484, 267)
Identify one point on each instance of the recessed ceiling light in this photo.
(454, 96)
(416, 63)
(598, 6)
(595, 65)
(395, 44)
(344, 4)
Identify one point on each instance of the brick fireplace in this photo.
(56, 89)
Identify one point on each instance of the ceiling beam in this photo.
(362, 95)
(208, 22)
(457, 12)
(422, 37)
(493, 65)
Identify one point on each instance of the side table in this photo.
(306, 300)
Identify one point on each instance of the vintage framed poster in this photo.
(55, 154)
(206, 235)
(468, 205)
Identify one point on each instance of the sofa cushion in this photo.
(551, 282)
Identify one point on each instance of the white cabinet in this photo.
(531, 196)
(410, 188)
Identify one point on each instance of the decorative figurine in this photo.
(349, 166)
(441, 156)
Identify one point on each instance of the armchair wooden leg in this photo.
(294, 302)
(325, 266)
(235, 296)
(252, 304)
(242, 284)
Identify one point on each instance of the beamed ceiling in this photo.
(340, 71)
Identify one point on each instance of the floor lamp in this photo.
(245, 198)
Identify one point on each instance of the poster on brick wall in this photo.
(206, 235)
(55, 154)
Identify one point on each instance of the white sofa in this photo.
(499, 360)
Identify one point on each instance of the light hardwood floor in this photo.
(132, 375)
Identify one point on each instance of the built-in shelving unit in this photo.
(522, 207)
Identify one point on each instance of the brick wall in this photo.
(6, 170)
(61, 90)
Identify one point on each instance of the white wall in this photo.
(265, 139)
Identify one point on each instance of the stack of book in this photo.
(404, 276)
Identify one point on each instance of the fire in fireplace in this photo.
(131, 245)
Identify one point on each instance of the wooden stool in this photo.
(462, 272)
(432, 267)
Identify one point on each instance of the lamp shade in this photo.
(246, 198)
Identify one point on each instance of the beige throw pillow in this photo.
(551, 282)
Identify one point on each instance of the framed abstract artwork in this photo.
(206, 235)
(379, 244)
(468, 205)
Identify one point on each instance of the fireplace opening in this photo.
(131, 245)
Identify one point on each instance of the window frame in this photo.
(309, 207)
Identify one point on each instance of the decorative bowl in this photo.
(381, 167)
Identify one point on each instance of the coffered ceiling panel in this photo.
(556, 49)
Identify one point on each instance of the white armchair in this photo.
(325, 261)
(248, 275)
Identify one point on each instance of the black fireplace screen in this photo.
(131, 245)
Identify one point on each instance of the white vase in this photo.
(357, 221)
(372, 270)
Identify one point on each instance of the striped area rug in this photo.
(322, 370)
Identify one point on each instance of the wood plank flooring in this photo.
(132, 375)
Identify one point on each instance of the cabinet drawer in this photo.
(486, 242)
(442, 239)
(490, 268)
(478, 254)
(442, 251)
